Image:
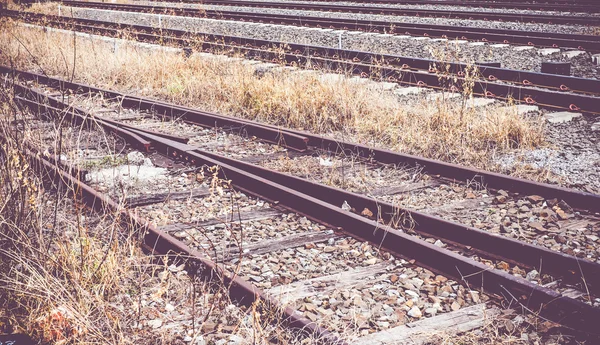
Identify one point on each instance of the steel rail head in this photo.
(268, 133)
(492, 180)
(567, 266)
(550, 304)
(564, 310)
(79, 116)
(163, 243)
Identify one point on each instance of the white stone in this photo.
(325, 162)
(415, 312)
(384, 86)
(477, 44)
(360, 80)
(573, 53)
(442, 95)
(479, 102)
(412, 294)
(126, 174)
(548, 51)
(402, 37)
(439, 40)
(266, 66)
(135, 157)
(346, 206)
(250, 62)
(522, 48)
(521, 109)
(155, 323)
(411, 90)
(420, 38)
(596, 59)
(500, 45)
(460, 41)
(332, 77)
(561, 117)
(596, 126)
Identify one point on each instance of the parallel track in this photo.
(546, 90)
(322, 204)
(534, 38)
(527, 18)
(537, 6)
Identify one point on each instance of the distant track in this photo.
(547, 90)
(506, 17)
(591, 7)
(535, 38)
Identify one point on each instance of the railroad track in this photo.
(546, 90)
(591, 7)
(540, 39)
(341, 223)
(527, 18)
(546, 39)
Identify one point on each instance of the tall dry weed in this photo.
(441, 129)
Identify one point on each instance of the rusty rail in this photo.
(574, 198)
(317, 202)
(162, 243)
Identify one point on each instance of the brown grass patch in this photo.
(439, 129)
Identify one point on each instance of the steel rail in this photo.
(162, 243)
(536, 6)
(532, 18)
(547, 90)
(568, 267)
(541, 39)
(564, 310)
(577, 199)
(531, 38)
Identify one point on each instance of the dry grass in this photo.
(441, 129)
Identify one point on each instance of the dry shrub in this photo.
(443, 129)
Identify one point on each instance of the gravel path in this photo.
(529, 59)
